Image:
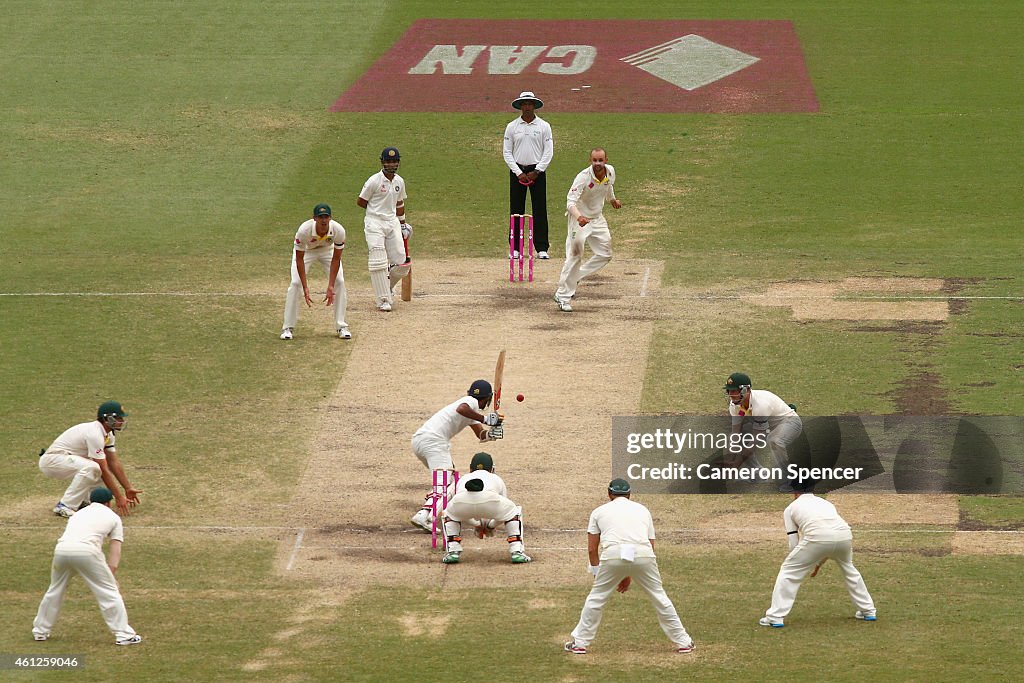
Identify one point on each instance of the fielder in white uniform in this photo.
(590, 190)
(85, 454)
(763, 411)
(80, 551)
(313, 242)
(432, 443)
(620, 544)
(823, 535)
(383, 196)
(481, 499)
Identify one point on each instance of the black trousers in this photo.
(538, 205)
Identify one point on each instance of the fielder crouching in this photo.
(481, 497)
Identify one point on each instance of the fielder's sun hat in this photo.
(321, 210)
(619, 486)
(526, 96)
(101, 495)
(481, 461)
(475, 485)
(111, 408)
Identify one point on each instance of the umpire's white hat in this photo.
(527, 96)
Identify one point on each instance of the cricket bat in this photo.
(407, 280)
(499, 370)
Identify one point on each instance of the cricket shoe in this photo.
(62, 510)
(768, 621)
(575, 649)
(41, 636)
(131, 640)
(520, 558)
(866, 616)
(343, 333)
(286, 333)
(563, 306)
(384, 306)
(684, 649)
(515, 255)
(451, 558)
(543, 255)
(421, 520)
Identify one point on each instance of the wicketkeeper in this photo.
(482, 500)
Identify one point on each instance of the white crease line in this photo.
(643, 283)
(302, 530)
(295, 550)
(472, 295)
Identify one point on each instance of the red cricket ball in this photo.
(520, 398)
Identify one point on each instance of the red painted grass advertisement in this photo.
(589, 66)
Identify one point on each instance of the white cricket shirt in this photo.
(90, 525)
(588, 194)
(492, 482)
(446, 423)
(306, 238)
(382, 195)
(86, 440)
(621, 521)
(528, 143)
(763, 404)
(815, 519)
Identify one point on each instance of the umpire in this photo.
(620, 542)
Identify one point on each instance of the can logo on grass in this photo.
(589, 66)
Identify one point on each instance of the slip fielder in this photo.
(816, 533)
(80, 551)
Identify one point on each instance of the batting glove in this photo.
(406, 230)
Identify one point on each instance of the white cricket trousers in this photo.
(88, 562)
(483, 505)
(782, 436)
(293, 302)
(84, 474)
(799, 563)
(599, 238)
(385, 248)
(644, 571)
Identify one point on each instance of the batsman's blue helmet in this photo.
(480, 389)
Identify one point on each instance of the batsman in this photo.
(432, 445)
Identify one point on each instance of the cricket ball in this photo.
(520, 398)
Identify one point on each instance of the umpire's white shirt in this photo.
(814, 519)
(447, 422)
(528, 143)
(620, 522)
(89, 526)
(86, 440)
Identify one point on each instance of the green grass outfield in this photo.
(170, 149)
